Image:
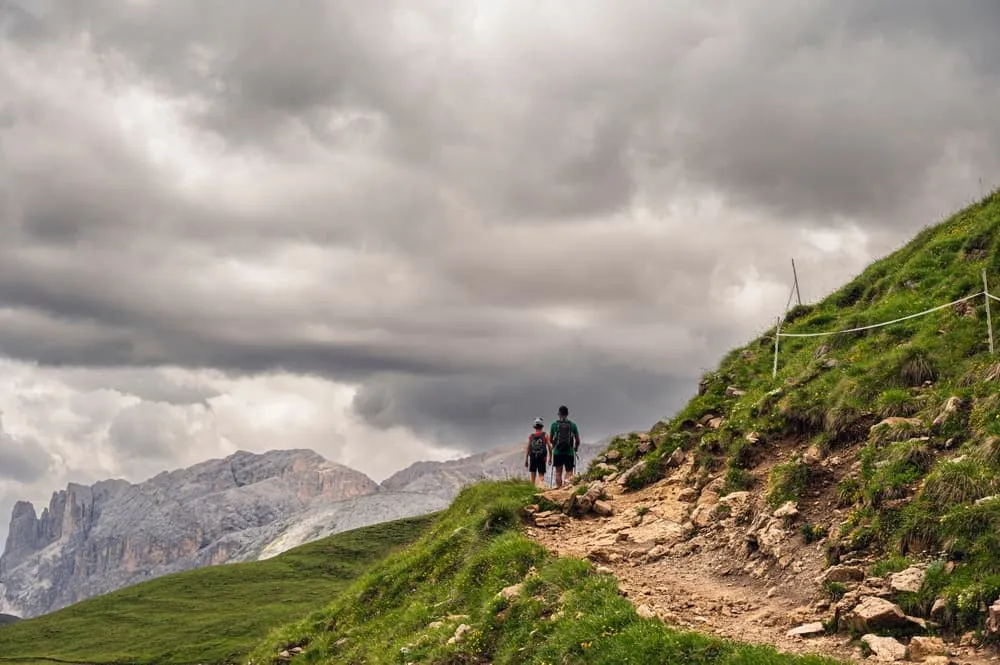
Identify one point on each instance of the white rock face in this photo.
(92, 540)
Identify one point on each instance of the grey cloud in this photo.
(23, 460)
(147, 431)
(476, 411)
(449, 175)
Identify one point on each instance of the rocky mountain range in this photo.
(92, 540)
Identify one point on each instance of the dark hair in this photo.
(563, 411)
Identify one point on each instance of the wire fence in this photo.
(985, 294)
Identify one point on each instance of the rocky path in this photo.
(699, 590)
(707, 579)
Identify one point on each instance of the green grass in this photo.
(207, 615)
(918, 482)
(407, 608)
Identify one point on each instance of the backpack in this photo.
(538, 447)
(564, 436)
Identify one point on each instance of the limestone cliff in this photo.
(91, 540)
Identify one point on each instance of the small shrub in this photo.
(892, 564)
(915, 367)
(502, 515)
(959, 482)
(834, 590)
(786, 482)
(737, 480)
(896, 402)
(848, 491)
(641, 511)
(813, 532)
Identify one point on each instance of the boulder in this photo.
(710, 493)
(645, 612)
(752, 437)
(922, 648)
(636, 468)
(787, 510)
(993, 618)
(716, 423)
(737, 503)
(676, 458)
(733, 391)
(562, 497)
(951, 407)
(813, 455)
(885, 649)
(908, 581)
(613, 455)
(551, 520)
(939, 610)
(687, 495)
(510, 592)
(814, 629)
(874, 613)
(459, 633)
(842, 574)
(603, 508)
(703, 516)
(896, 422)
(646, 447)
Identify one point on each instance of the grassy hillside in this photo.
(409, 607)
(921, 484)
(207, 615)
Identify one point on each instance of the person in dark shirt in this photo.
(565, 438)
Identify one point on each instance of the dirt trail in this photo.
(705, 584)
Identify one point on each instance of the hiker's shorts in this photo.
(564, 460)
(537, 464)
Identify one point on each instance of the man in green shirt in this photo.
(565, 438)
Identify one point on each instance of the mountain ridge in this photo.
(247, 506)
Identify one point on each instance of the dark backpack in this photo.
(564, 436)
(538, 447)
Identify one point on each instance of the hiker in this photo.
(537, 452)
(565, 438)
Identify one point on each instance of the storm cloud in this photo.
(448, 218)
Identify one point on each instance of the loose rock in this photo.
(885, 649)
(510, 592)
(907, 581)
(842, 574)
(603, 508)
(874, 613)
(807, 630)
(459, 633)
(921, 648)
(645, 612)
(993, 618)
(638, 467)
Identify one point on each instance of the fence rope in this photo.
(888, 323)
(993, 296)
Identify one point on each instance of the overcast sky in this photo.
(394, 230)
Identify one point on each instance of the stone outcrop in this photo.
(90, 540)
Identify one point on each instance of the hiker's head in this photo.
(563, 411)
(539, 423)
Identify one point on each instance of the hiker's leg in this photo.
(558, 477)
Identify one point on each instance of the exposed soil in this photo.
(715, 581)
